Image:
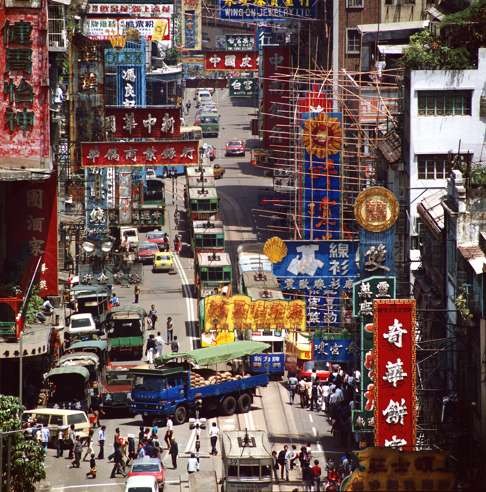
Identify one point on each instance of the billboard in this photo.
(266, 9)
(332, 348)
(192, 25)
(153, 153)
(149, 122)
(246, 61)
(131, 9)
(237, 42)
(24, 107)
(394, 366)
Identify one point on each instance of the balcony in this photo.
(57, 28)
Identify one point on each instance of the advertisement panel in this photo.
(148, 122)
(266, 9)
(332, 348)
(394, 366)
(131, 9)
(192, 25)
(242, 87)
(115, 154)
(266, 363)
(95, 202)
(24, 107)
(246, 61)
(237, 42)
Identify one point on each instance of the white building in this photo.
(442, 115)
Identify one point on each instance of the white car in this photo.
(142, 483)
(80, 325)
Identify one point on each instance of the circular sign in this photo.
(376, 209)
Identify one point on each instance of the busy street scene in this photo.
(242, 245)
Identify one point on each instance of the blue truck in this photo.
(158, 393)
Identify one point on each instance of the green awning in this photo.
(129, 310)
(96, 344)
(219, 353)
(67, 370)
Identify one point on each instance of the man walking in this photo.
(150, 350)
(72, 440)
(136, 294)
(174, 345)
(213, 437)
(170, 330)
(293, 382)
(45, 434)
(153, 316)
(118, 466)
(77, 451)
(281, 461)
(314, 395)
(159, 343)
(101, 441)
(174, 451)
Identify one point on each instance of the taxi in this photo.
(163, 262)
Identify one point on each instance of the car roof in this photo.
(147, 244)
(81, 315)
(146, 460)
(141, 480)
(53, 411)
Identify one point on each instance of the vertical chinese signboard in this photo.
(191, 25)
(24, 107)
(394, 365)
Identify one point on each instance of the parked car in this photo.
(218, 171)
(235, 147)
(147, 252)
(141, 483)
(156, 237)
(163, 262)
(320, 366)
(148, 467)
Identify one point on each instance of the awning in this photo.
(78, 356)
(97, 344)
(435, 13)
(475, 256)
(69, 370)
(392, 26)
(218, 353)
(431, 211)
(392, 49)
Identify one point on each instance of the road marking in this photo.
(314, 431)
(190, 441)
(319, 447)
(310, 418)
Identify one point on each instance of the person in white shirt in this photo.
(288, 456)
(45, 434)
(159, 342)
(192, 464)
(101, 442)
(213, 437)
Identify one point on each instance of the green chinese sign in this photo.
(240, 42)
(240, 87)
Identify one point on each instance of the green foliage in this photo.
(27, 456)
(172, 56)
(478, 176)
(34, 305)
(427, 52)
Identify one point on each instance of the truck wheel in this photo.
(229, 405)
(180, 415)
(244, 403)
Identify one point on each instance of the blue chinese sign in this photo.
(266, 9)
(130, 86)
(321, 199)
(332, 349)
(96, 204)
(376, 252)
(267, 363)
(323, 272)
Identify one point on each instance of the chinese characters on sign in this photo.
(246, 61)
(131, 9)
(332, 348)
(242, 87)
(154, 29)
(394, 338)
(265, 9)
(166, 153)
(149, 122)
(236, 42)
(192, 24)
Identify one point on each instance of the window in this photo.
(353, 41)
(354, 4)
(76, 418)
(444, 103)
(56, 420)
(436, 166)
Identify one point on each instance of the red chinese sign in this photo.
(24, 107)
(395, 391)
(246, 61)
(114, 154)
(149, 122)
(276, 107)
(32, 212)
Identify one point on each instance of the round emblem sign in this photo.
(376, 209)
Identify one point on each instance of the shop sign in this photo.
(124, 56)
(332, 348)
(24, 107)
(96, 202)
(242, 87)
(237, 42)
(102, 28)
(376, 209)
(124, 196)
(267, 363)
(148, 122)
(394, 367)
(130, 86)
(156, 153)
(192, 25)
(246, 61)
(266, 9)
(130, 9)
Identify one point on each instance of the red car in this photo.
(320, 366)
(156, 237)
(235, 147)
(148, 466)
(146, 252)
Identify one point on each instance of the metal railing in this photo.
(57, 27)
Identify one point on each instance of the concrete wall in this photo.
(404, 12)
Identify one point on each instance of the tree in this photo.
(26, 459)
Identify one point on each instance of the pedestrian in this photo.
(292, 382)
(92, 467)
(281, 461)
(213, 437)
(174, 345)
(169, 432)
(170, 330)
(313, 398)
(302, 393)
(275, 465)
(141, 434)
(150, 349)
(313, 377)
(136, 293)
(118, 462)
(174, 451)
(72, 440)
(159, 343)
(140, 451)
(307, 478)
(60, 441)
(288, 456)
(131, 448)
(77, 451)
(153, 316)
(101, 441)
(89, 445)
(45, 434)
(316, 476)
(293, 456)
(116, 442)
(192, 464)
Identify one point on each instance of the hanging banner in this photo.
(192, 25)
(124, 196)
(149, 122)
(166, 153)
(394, 366)
(96, 203)
(238, 42)
(24, 107)
(242, 87)
(266, 9)
(221, 61)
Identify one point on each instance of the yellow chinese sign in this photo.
(241, 312)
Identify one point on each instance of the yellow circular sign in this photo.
(323, 135)
(376, 209)
(275, 249)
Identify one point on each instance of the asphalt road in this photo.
(172, 294)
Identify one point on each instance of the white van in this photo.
(131, 235)
(59, 420)
(81, 326)
(142, 483)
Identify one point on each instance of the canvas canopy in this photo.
(62, 371)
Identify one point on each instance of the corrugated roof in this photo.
(431, 211)
(474, 255)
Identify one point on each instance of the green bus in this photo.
(203, 203)
(214, 274)
(207, 235)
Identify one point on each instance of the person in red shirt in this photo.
(316, 475)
